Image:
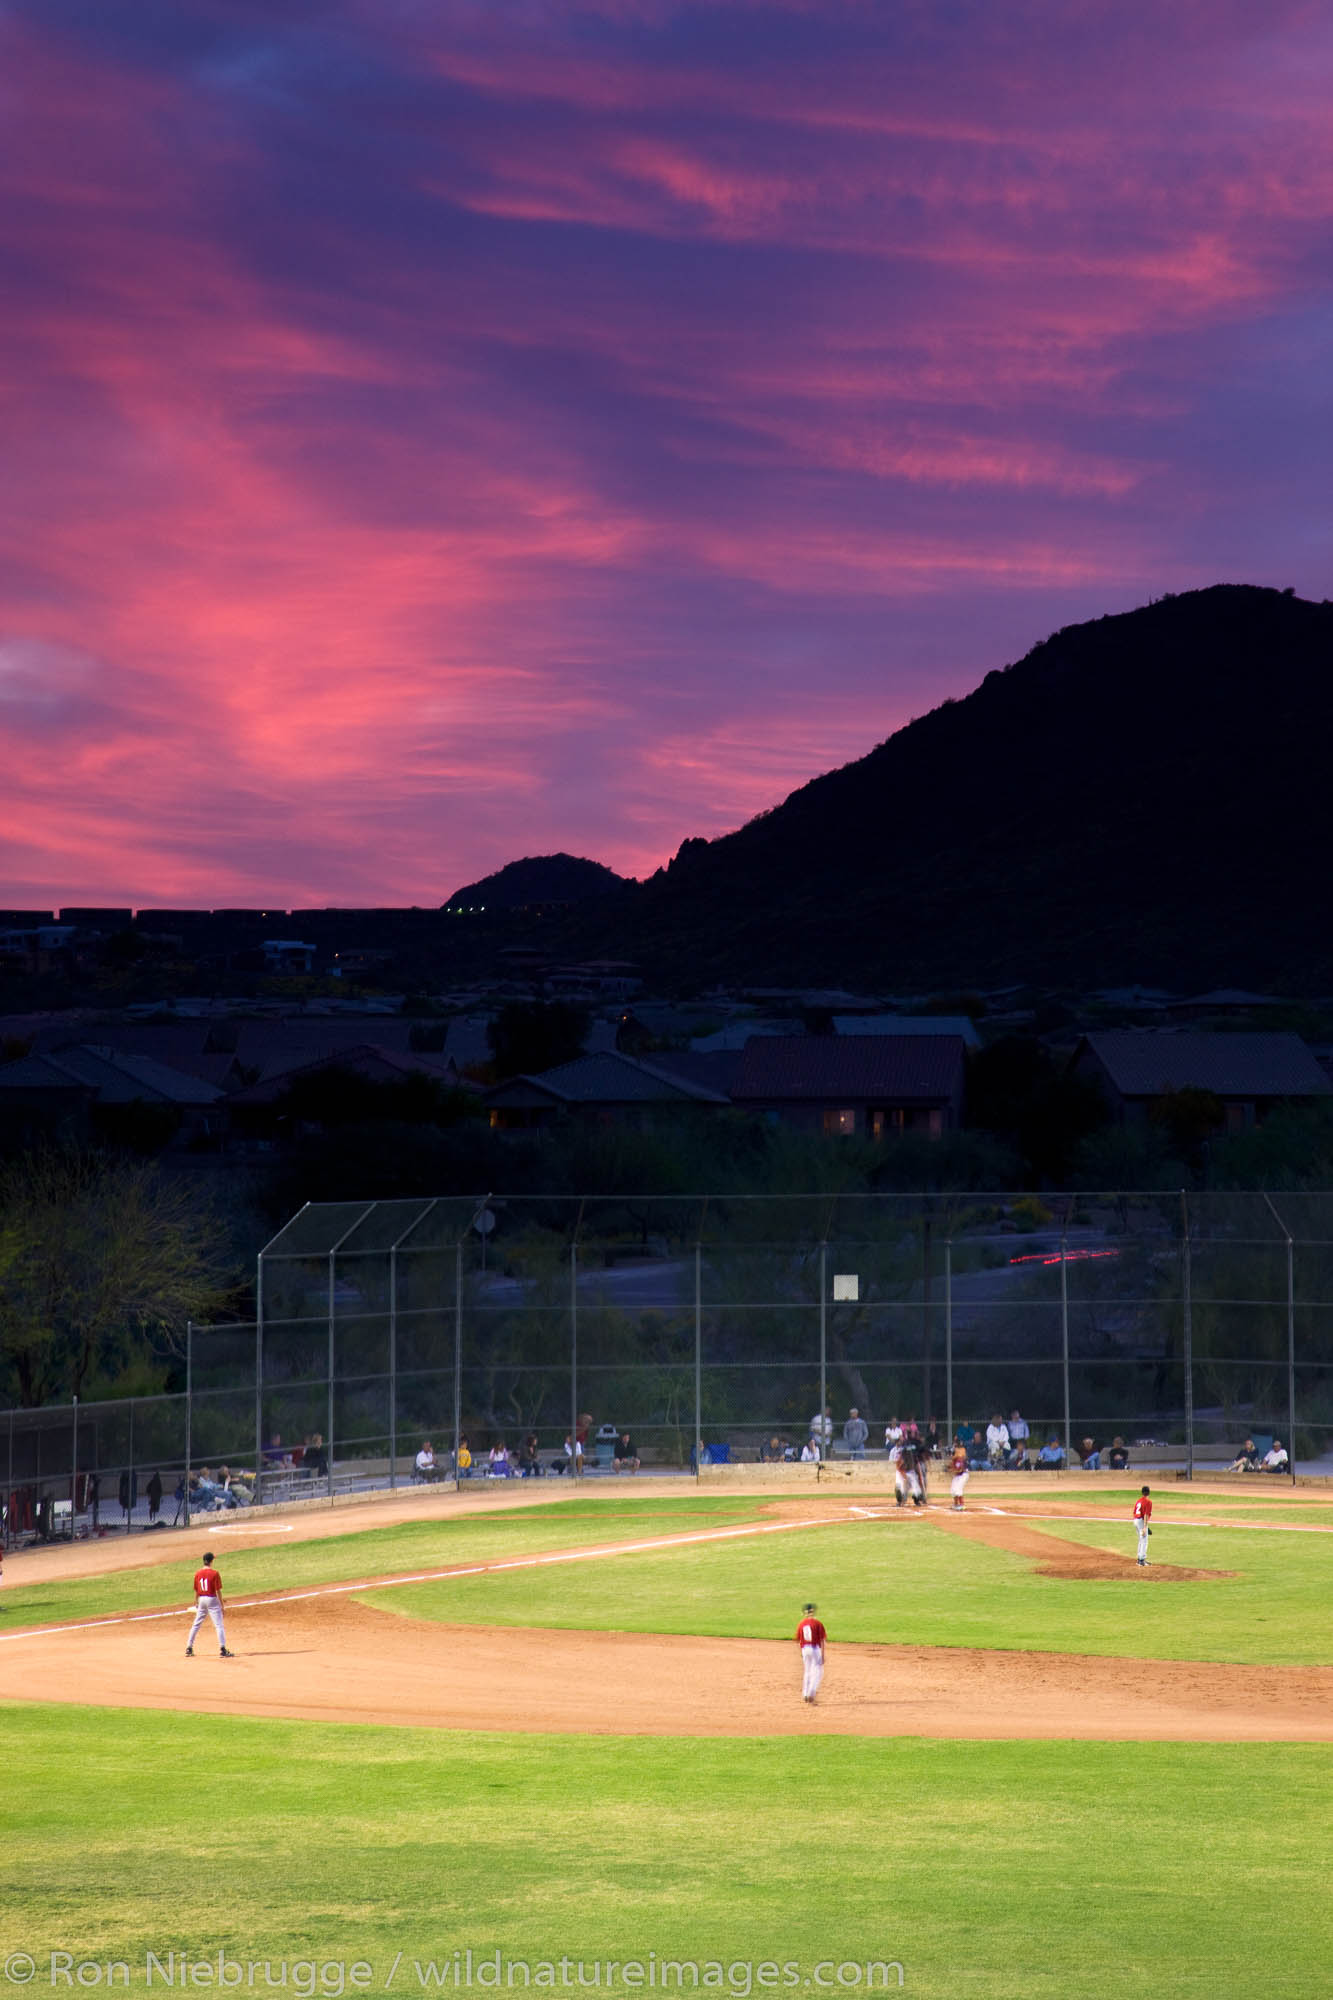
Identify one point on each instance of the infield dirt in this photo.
(327, 1656)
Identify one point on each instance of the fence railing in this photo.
(722, 1323)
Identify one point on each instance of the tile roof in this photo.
(367, 1059)
(611, 1078)
(126, 1079)
(37, 1073)
(1146, 1062)
(908, 1024)
(896, 1068)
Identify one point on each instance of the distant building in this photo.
(855, 1086)
(608, 1088)
(1249, 1074)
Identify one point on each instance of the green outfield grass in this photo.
(393, 1551)
(1185, 1871)
(906, 1582)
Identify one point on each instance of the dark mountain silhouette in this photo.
(540, 878)
(1144, 797)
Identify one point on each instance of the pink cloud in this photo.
(434, 441)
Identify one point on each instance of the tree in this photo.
(98, 1259)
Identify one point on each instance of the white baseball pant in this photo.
(813, 1658)
(1142, 1527)
(207, 1607)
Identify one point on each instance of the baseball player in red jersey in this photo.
(207, 1604)
(1142, 1516)
(959, 1476)
(811, 1638)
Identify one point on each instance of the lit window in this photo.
(843, 1122)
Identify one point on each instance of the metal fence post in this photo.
(948, 1341)
(393, 1367)
(74, 1473)
(259, 1377)
(1064, 1338)
(927, 1329)
(1291, 1357)
(9, 1484)
(575, 1465)
(1187, 1310)
(698, 1361)
(1291, 1340)
(825, 1441)
(189, 1410)
(458, 1361)
(328, 1441)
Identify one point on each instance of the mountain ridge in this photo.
(1141, 796)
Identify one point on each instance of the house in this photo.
(909, 1024)
(1250, 1074)
(65, 1090)
(288, 955)
(862, 1086)
(607, 1087)
(368, 1060)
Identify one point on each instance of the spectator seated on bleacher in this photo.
(236, 1488)
(1051, 1457)
(314, 1457)
(426, 1466)
(1275, 1458)
(529, 1457)
(997, 1440)
(1246, 1459)
(1090, 1454)
(497, 1463)
(1118, 1459)
(624, 1456)
(773, 1450)
(275, 1455)
(210, 1492)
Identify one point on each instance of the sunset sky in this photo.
(436, 431)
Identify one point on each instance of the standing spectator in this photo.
(821, 1429)
(932, 1439)
(623, 1456)
(997, 1440)
(464, 1457)
(1275, 1458)
(1018, 1437)
(893, 1434)
(154, 1492)
(855, 1432)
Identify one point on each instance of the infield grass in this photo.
(984, 1868)
(409, 1545)
(905, 1582)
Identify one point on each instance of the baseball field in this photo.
(540, 1739)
